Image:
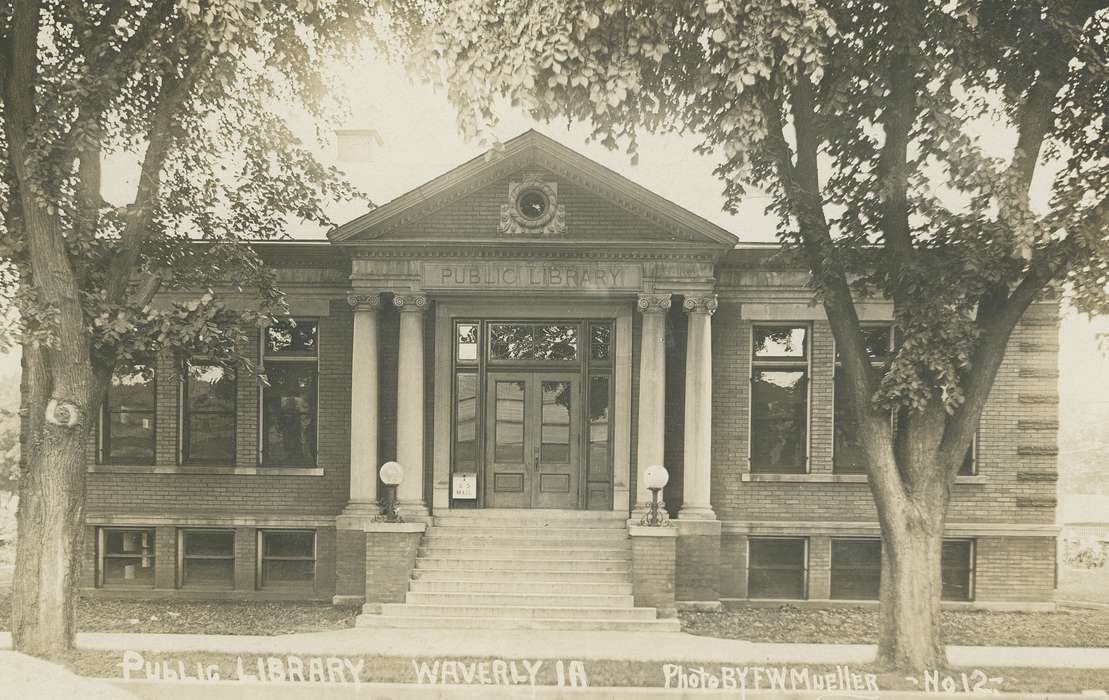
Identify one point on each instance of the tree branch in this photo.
(1035, 116)
(172, 95)
(801, 184)
(897, 122)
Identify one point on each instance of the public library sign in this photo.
(538, 276)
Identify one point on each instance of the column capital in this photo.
(700, 304)
(364, 301)
(653, 302)
(410, 302)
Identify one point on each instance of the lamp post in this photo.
(655, 477)
(392, 474)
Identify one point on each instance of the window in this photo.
(777, 567)
(880, 343)
(126, 557)
(957, 569)
(779, 399)
(208, 418)
(288, 559)
(856, 569)
(127, 426)
(290, 402)
(847, 457)
(207, 558)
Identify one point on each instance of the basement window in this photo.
(288, 559)
(207, 558)
(126, 557)
(777, 567)
(957, 569)
(856, 569)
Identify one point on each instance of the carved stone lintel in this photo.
(703, 304)
(653, 302)
(364, 302)
(410, 302)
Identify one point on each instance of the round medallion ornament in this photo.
(532, 204)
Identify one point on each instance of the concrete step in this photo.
(536, 587)
(527, 553)
(510, 574)
(558, 519)
(528, 599)
(507, 563)
(528, 536)
(483, 612)
(508, 623)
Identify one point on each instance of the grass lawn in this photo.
(792, 624)
(782, 624)
(600, 673)
(189, 617)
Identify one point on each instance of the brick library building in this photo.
(524, 338)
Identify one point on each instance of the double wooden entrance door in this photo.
(532, 437)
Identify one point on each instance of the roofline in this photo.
(515, 146)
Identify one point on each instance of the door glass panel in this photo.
(510, 422)
(465, 446)
(598, 426)
(556, 422)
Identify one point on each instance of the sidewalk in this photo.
(674, 647)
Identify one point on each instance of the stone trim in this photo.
(825, 478)
(266, 521)
(202, 470)
(834, 528)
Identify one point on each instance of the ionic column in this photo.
(363, 406)
(652, 390)
(410, 403)
(697, 467)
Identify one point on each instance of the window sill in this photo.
(202, 469)
(827, 478)
(810, 478)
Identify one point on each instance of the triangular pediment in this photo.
(533, 189)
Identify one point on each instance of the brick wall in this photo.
(653, 568)
(390, 558)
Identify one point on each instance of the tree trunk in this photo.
(910, 636)
(50, 518)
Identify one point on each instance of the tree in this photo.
(202, 93)
(864, 122)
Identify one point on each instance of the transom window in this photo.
(533, 341)
(127, 426)
(779, 399)
(290, 402)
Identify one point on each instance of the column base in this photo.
(696, 513)
(414, 512)
(362, 508)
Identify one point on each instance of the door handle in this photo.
(535, 460)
